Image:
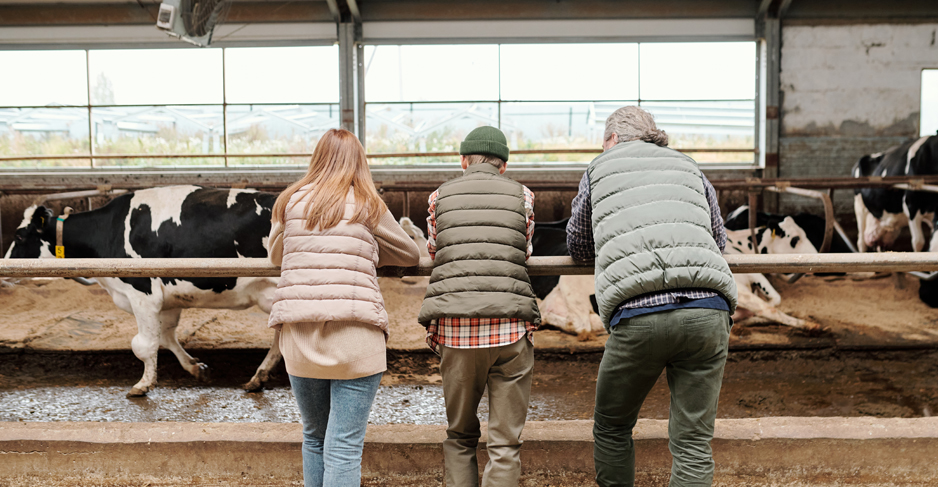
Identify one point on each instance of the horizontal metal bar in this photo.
(537, 266)
(309, 154)
(536, 151)
(76, 194)
(840, 182)
(565, 177)
(145, 156)
(423, 102)
(929, 188)
(184, 105)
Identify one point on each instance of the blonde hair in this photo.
(484, 159)
(338, 163)
(633, 123)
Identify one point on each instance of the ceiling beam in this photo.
(772, 8)
(24, 15)
(334, 8)
(419, 10)
(353, 8)
(763, 7)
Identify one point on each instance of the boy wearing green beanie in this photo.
(480, 310)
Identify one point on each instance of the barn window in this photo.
(167, 107)
(929, 114)
(245, 106)
(280, 101)
(37, 112)
(421, 100)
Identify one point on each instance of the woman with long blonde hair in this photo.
(330, 231)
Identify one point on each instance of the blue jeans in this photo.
(335, 414)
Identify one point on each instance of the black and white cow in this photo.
(567, 300)
(882, 213)
(564, 300)
(166, 222)
(812, 225)
(756, 296)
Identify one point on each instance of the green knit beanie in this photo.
(485, 140)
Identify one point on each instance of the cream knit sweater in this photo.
(332, 317)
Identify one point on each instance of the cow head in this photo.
(871, 199)
(867, 164)
(415, 234)
(35, 237)
(786, 237)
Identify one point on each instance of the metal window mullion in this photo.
(360, 83)
(500, 87)
(224, 106)
(346, 76)
(90, 122)
(638, 73)
(758, 113)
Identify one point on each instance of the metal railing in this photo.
(537, 266)
(282, 155)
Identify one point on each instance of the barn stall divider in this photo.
(537, 266)
(65, 184)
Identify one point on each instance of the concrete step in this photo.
(751, 452)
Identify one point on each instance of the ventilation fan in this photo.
(191, 20)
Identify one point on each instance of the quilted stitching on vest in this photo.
(328, 275)
(651, 225)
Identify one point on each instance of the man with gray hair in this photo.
(650, 220)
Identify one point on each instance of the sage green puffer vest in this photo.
(479, 270)
(652, 228)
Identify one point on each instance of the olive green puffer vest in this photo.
(652, 228)
(480, 269)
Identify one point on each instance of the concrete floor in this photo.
(751, 452)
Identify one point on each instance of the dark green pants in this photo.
(691, 344)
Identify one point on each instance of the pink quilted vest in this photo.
(328, 275)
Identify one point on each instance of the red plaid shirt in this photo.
(477, 332)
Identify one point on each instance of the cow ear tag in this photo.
(59, 249)
(59, 245)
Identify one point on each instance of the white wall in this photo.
(855, 80)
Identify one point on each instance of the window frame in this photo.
(526, 32)
(921, 120)
(98, 160)
(757, 128)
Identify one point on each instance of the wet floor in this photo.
(92, 387)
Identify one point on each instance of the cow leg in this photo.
(265, 301)
(755, 304)
(169, 319)
(749, 301)
(146, 344)
(762, 285)
(860, 210)
(915, 228)
(933, 245)
(270, 361)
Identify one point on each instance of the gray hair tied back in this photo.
(633, 123)
(657, 137)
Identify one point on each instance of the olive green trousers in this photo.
(691, 345)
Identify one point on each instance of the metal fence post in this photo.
(347, 90)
